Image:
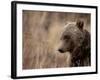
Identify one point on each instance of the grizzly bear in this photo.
(76, 40)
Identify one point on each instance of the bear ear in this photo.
(80, 24)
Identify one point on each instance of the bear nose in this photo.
(60, 50)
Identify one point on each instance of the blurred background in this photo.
(41, 37)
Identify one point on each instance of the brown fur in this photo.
(76, 40)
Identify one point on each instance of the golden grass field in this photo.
(41, 37)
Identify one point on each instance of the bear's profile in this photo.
(76, 40)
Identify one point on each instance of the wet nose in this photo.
(60, 50)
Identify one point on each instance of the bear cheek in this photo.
(70, 46)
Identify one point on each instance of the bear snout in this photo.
(60, 50)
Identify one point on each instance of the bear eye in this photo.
(81, 38)
(66, 37)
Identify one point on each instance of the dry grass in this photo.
(41, 33)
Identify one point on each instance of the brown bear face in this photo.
(71, 38)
